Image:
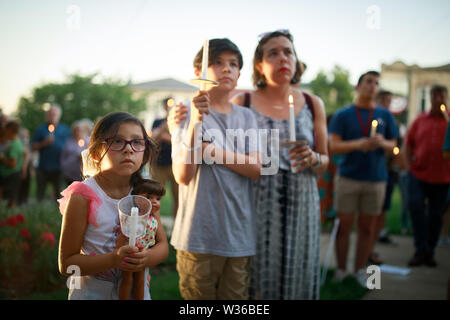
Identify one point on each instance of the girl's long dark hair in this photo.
(107, 127)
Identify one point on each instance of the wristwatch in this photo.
(319, 161)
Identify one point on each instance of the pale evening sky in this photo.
(142, 40)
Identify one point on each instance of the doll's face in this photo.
(154, 199)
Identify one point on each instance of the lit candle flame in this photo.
(170, 103)
(81, 143)
(444, 112)
(373, 132)
(51, 128)
(291, 99)
(396, 151)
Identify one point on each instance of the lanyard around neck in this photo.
(364, 128)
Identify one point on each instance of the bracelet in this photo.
(319, 161)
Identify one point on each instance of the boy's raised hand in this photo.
(199, 106)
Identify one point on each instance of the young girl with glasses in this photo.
(119, 148)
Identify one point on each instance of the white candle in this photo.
(373, 131)
(205, 64)
(291, 119)
(133, 226)
(444, 112)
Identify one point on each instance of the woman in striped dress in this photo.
(287, 263)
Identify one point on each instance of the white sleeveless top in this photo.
(99, 240)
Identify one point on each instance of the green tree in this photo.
(335, 89)
(79, 97)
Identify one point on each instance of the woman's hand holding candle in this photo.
(302, 157)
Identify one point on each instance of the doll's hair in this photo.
(216, 47)
(148, 186)
(107, 127)
(259, 79)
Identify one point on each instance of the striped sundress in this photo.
(287, 262)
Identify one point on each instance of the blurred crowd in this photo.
(52, 154)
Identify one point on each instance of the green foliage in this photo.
(347, 289)
(79, 97)
(334, 89)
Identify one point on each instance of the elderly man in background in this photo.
(49, 140)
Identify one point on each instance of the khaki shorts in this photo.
(211, 277)
(354, 196)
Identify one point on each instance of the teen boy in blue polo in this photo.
(360, 183)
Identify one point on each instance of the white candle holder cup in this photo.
(133, 214)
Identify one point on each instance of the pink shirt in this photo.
(425, 138)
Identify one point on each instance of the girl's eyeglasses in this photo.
(118, 144)
(265, 34)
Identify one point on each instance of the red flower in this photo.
(24, 232)
(20, 218)
(47, 238)
(12, 221)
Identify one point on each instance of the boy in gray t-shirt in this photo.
(214, 157)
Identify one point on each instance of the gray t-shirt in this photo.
(215, 213)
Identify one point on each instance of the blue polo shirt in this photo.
(49, 156)
(359, 165)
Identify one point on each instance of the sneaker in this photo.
(339, 275)
(361, 277)
(416, 261)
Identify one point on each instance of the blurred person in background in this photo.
(71, 154)
(11, 163)
(162, 171)
(429, 177)
(49, 140)
(26, 171)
